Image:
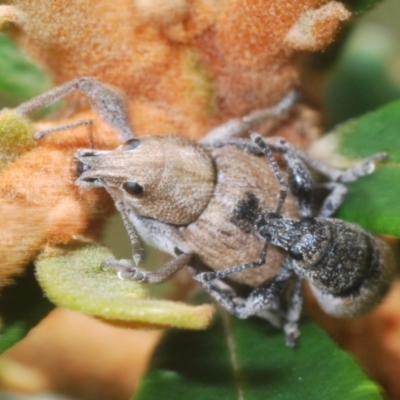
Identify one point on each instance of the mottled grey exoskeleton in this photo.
(209, 205)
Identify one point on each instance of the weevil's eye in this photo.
(130, 144)
(295, 253)
(132, 188)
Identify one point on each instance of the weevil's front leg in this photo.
(104, 100)
(205, 277)
(127, 269)
(130, 229)
(236, 127)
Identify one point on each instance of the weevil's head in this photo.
(168, 178)
(306, 240)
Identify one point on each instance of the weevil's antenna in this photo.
(39, 134)
(259, 141)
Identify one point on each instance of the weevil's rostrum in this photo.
(225, 209)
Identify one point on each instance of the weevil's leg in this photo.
(204, 277)
(225, 295)
(39, 134)
(127, 269)
(365, 167)
(130, 229)
(300, 180)
(266, 296)
(104, 100)
(334, 200)
(292, 314)
(244, 144)
(236, 127)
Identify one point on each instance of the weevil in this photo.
(202, 203)
(349, 270)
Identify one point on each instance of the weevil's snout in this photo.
(87, 168)
(81, 168)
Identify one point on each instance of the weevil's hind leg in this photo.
(127, 269)
(104, 100)
(238, 126)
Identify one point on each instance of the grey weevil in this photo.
(207, 204)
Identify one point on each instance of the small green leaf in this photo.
(76, 280)
(373, 201)
(237, 359)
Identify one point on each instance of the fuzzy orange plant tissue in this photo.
(184, 67)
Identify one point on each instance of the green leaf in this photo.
(237, 359)
(373, 201)
(22, 306)
(363, 78)
(20, 79)
(76, 280)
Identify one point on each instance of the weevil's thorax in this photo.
(176, 177)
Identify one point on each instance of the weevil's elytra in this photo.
(223, 208)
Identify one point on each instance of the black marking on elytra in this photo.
(246, 213)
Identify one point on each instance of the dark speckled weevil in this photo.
(349, 270)
(209, 205)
